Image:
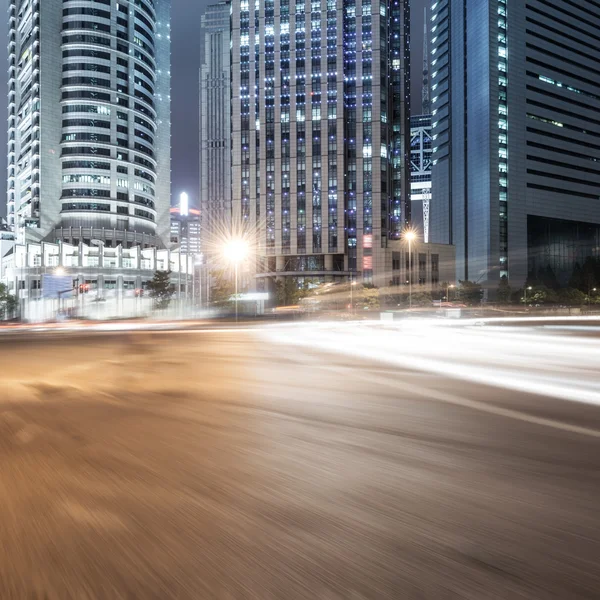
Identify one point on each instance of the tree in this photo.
(288, 292)
(470, 292)
(369, 297)
(161, 289)
(571, 297)
(539, 294)
(504, 292)
(440, 292)
(548, 278)
(223, 289)
(577, 278)
(422, 299)
(8, 303)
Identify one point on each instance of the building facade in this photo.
(215, 121)
(515, 96)
(97, 282)
(89, 121)
(185, 230)
(420, 174)
(320, 133)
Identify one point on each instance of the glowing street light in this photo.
(60, 272)
(589, 297)
(352, 284)
(410, 236)
(184, 204)
(235, 251)
(525, 299)
(448, 291)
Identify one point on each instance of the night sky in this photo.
(186, 50)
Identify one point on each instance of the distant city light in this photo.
(184, 204)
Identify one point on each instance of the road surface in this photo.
(300, 462)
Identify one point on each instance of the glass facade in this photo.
(514, 105)
(503, 137)
(325, 131)
(91, 91)
(556, 247)
(421, 147)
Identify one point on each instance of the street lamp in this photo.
(410, 236)
(235, 251)
(60, 272)
(590, 295)
(525, 299)
(448, 291)
(352, 284)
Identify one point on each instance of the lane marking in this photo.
(478, 406)
(456, 373)
(563, 388)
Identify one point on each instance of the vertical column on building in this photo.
(365, 134)
(315, 129)
(282, 92)
(349, 74)
(267, 123)
(329, 135)
(299, 119)
(503, 137)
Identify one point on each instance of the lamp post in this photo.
(60, 272)
(235, 252)
(352, 284)
(409, 236)
(590, 294)
(448, 291)
(525, 298)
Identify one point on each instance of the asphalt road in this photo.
(246, 465)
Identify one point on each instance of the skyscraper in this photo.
(425, 94)
(89, 121)
(515, 96)
(320, 107)
(215, 120)
(185, 230)
(420, 174)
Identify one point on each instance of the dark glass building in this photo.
(516, 135)
(320, 138)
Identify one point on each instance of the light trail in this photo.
(522, 360)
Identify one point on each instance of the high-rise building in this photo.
(185, 230)
(215, 120)
(420, 174)
(89, 121)
(425, 92)
(515, 95)
(320, 109)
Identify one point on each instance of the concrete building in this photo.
(97, 281)
(215, 121)
(185, 230)
(515, 93)
(320, 122)
(420, 174)
(89, 122)
(7, 242)
(425, 266)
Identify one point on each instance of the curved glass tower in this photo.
(89, 121)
